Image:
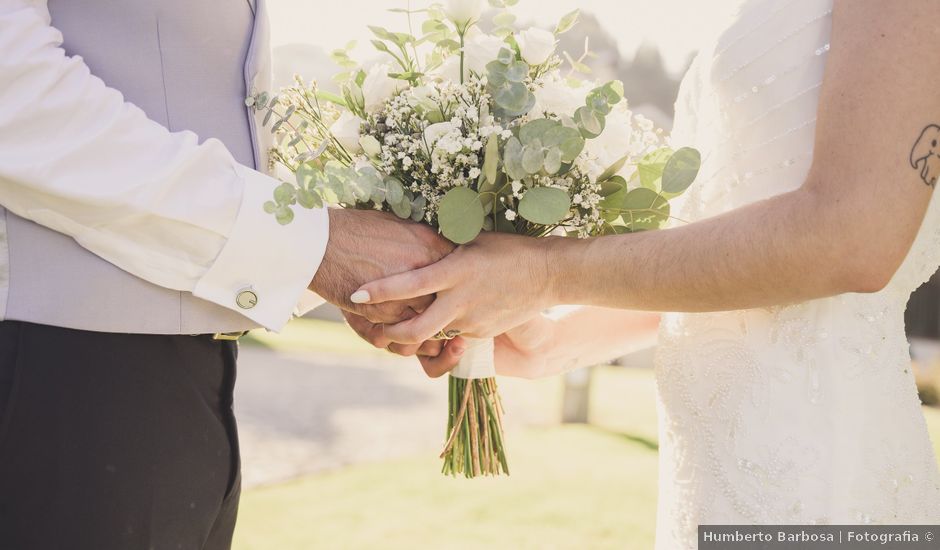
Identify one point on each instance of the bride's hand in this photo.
(483, 289)
(522, 352)
(525, 351)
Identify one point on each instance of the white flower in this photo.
(536, 45)
(463, 12)
(379, 87)
(436, 131)
(478, 50)
(555, 96)
(422, 96)
(370, 145)
(510, 214)
(346, 131)
(614, 142)
(474, 173)
(516, 188)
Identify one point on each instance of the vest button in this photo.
(246, 299)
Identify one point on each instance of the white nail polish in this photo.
(360, 297)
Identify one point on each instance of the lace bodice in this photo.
(799, 414)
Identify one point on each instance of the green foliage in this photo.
(680, 171)
(567, 22)
(506, 76)
(644, 209)
(545, 205)
(591, 118)
(460, 215)
(491, 159)
(512, 159)
(651, 166)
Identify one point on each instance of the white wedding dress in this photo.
(798, 414)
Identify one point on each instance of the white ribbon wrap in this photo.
(478, 361)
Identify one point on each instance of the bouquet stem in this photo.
(475, 429)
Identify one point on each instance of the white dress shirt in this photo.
(78, 159)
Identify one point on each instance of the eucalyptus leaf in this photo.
(514, 99)
(536, 129)
(512, 159)
(612, 185)
(517, 71)
(651, 166)
(505, 56)
(270, 207)
(418, 208)
(284, 193)
(544, 205)
(284, 215)
(552, 160)
(309, 199)
(569, 140)
(305, 175)
(681, 170)
(533, 158)
(460, 215)
(644, 209)
(379, 192)
(567, 21)
(402, 208)
(614, 192)
(394, 190)
(491, 159)
(589, 122)
(613, 169)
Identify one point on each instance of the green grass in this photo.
(557, 503)
(572, 487)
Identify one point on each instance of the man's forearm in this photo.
(781, 250)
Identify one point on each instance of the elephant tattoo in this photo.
(925, 156)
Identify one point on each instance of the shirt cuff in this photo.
(265, 267)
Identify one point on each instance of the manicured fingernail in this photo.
(360, 297)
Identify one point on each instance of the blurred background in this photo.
(340, 441)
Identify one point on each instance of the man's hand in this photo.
(437, 357)
(366, 245)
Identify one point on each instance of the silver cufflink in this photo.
(246, 299)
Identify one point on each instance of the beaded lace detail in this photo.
(805, 413)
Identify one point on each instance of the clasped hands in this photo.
(400, 284)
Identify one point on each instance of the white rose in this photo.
(435, 132)
(536, 45)
(346, 131)
(421, 96)
(558, 98)
(379, 87)
(370, 146)
(478, 50)
(614, 142)
(463, 12)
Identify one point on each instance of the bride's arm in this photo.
(846, 229)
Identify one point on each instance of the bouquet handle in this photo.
(474, 444)
(478, 360)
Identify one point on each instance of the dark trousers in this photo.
(116, 441)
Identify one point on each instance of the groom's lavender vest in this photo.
(188, 64)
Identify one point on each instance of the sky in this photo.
(676, 26)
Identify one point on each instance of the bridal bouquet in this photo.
(472, 131)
